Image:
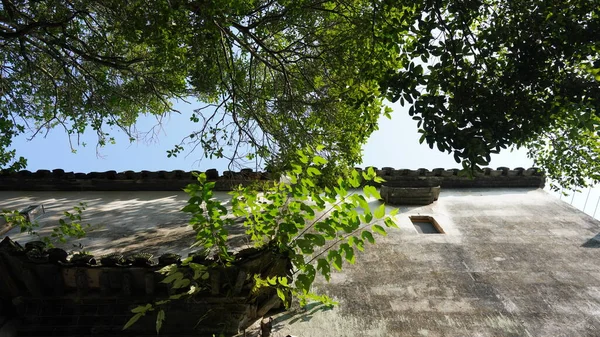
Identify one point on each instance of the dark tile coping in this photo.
(59, 180)
(45, 283)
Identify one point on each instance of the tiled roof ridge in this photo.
(59, 180)
(212, 174)
(247, 173)
(437, 172)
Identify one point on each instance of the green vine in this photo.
(69, 226)
(316, 228)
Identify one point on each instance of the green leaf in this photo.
(324, 268)
(354, 179)
(305, 246)
(296, 169)
(190, 208)
(366, 235)
(390, 223)
(132, 320)
(184, 282)
(334, 257)
(357, 242)
(303, 158)
(380, 230)
(281, 294)
(324, 227)
(317, 239)
(361, 202)
(307, 182)
(303, 281)
(283, 281)
(160, 317)
(317, 160)
(342, 192)
(371, 174)
(142, 309)
(172, 277)
(371, 191)
(379, 212)
(308, 209)
(312, 171)
(198, 269)
(348, 253)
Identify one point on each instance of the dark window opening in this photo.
(426, 225)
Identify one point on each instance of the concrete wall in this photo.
(513, 262)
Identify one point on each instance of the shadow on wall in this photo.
(273, 323)
(593, 242)
(121, 222)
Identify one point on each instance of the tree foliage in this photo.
(481, 76)
(73, 65)
(316, 229)
(275, 76)
(69, 227)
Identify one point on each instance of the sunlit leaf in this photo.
(160, 317)
(380, 230)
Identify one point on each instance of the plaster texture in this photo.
(512, 262)
(120, 221)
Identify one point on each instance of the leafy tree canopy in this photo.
(276, 76)
(485, 75)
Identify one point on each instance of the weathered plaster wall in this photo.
(514, 262)
(121, 221)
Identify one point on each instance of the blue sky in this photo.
(395, 144)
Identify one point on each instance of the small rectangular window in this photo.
(426, 225)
